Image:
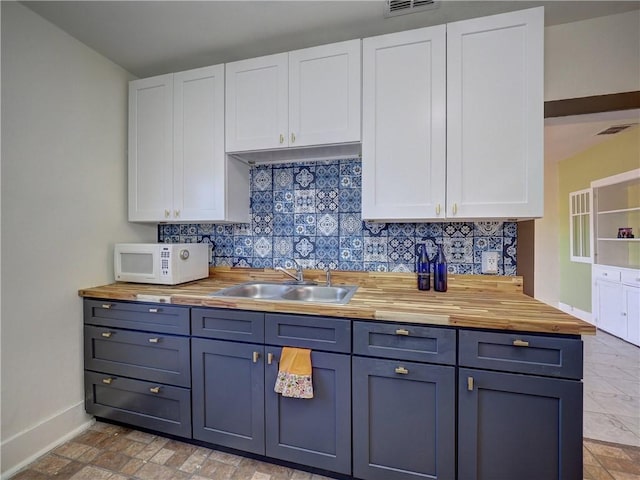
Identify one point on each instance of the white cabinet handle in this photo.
(154, 389)
(402, 371)
(293, 137)
(167, 214)
(107, 334)
(154, 340)
(281, 139)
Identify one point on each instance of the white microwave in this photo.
(160, 263)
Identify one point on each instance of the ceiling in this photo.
(149, 38)
(153, 37)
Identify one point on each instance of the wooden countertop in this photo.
(476, 301)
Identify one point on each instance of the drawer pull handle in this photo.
(106, 334)
(256, 356)
(402, 371)
(154, 389)
(107, 381)
(154, 340)
(520, 343)
(402, 331)
(470, 384)
(106, 306)
(154, 310)
(269, 358)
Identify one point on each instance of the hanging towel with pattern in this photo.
(294, 373)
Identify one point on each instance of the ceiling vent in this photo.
(615, 129)
(401, 7)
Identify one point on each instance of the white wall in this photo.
(593, 57)
(63, 206)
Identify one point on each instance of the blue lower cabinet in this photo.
(228, 394)
(403, 420)
(515, 426)
(315, 432)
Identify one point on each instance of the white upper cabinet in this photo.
(404, 136)
(301, 98)
(495, 116)
(178, 170)
(490, 106)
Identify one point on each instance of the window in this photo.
(580, 204)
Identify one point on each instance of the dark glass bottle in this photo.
(440, 271)
(423, 268)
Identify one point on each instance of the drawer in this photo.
(228, 324)
(521, 353)
(606, 273)
(148, 405)
(405, 342)
(631, 277)
(317, 333)
(154, 357)
(137, 316)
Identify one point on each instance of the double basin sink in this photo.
(293, 292)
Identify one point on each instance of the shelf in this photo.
(611, 239)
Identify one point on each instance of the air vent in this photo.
(615, 129)
(402, 7)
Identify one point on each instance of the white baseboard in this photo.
(23, 448)
(576, 312)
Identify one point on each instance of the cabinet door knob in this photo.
(154, 340)
(293, 137)
(154, 389)
(470, 384)
(107, 381)
(176, 213)
(256, 356)
(167, 214)
(520, 343)
(402, 371)
(281, 139)
(624, 314)
(402, 331)
(106, 334)
(106, 306)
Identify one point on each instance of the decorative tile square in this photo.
(372, 229)
(327, 200)
(242, 262)
(510, 229)
(283, 224)
(351, 249)
(328, 175)
(401, 229)
(262, 224)
(243, 246)
(261, 178)
(402, 250)
(375, 249)
(328, 248)
(327, 224)
(241, 229)
(262, 262)
(283, 202)
(401, 267)
(283, 247)
(304, 201)
(263, 247)
(223, 230)
(487, 229)
(305, 224)
(350, 224)
(304, 177)
(376, 267)
(458, 250)
(458, 230)
(282, 178)
(350, 200)
(304, 247)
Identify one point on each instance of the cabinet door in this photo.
(324, 94)
(403, 134)
(610, 312)
(315, 432)
(632, 303)
(150, 148)
(495, 116)
(403, 420)
(228, 394)
(518, 426)
(198, 153)
(257, 103)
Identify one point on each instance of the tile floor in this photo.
(110, 452)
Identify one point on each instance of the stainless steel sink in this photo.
(300, 293)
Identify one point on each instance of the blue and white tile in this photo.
(376, 267)
(486, 244)
(434, 230)
(375, 229)
(262, 224)
(458, 230)
(327, 200)
(327, 224)
(328, 174)
(188, 229)
(261, 178)
(283, 202)
(401, 267)
(284, 224)
(350, 224)
(241, 229)
(282, 178)
(305, 224)
(262, 262)
(304, 247)
(351, 249)
(375, 249)
(487, 229)
(223, 261)
(458, 250)
(188, 238)
(283, 247)
(262, 202)
(223, 247)
(243, 246)
(431, 244)
(350, 200)
(510, 229)
(304, 177)
(171, 239)
(350, 173)
(402, 229)
(328, 249)
(223, 230)
(304, 201)
(327, 265)
(206, 229)
(263, 247)
(351, 266)
(402, 250)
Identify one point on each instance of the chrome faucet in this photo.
(298, 277)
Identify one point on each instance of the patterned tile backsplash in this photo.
(311, 212)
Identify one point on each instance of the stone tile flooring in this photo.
(110, 452)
